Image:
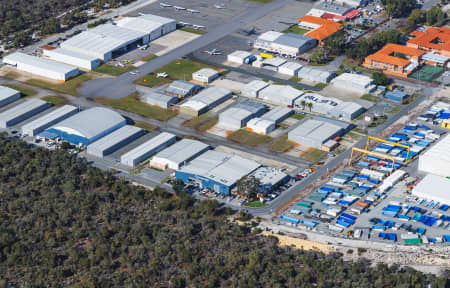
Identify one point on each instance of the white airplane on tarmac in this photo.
(213, 52)
(184, 23)
(164, 5)
(193, 11)
(162, 75)
(198, 27)
(179, 8)
(221, 6)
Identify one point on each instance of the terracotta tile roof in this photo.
(327, 28)
(352, 14)
(384, 55)
(425, 39)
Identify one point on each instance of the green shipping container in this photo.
(305, 204)
(413, 241)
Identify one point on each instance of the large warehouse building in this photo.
(114, 141)
(216, 171)
(354, 82)
(315, 133)
(236, 117)
(88, 126)
(280, 94)
(316, 74)
(433, 187)
(161, 99)
(179, 154)
(253, 88)
(41, 67)
(205, 100)
(182, 89)
(205, 75)
(260, 126)
(22, 112)
(285, 44)
(278, 114)
(144, 151)
(8, 95)
(73, 58)
(154, 26)
(40, 124)
(436, 160)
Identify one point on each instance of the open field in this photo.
(313, 154)
(297, 116)
(24, 91)
(177, 70)
(298, 243)
(370, 98)
(249, 138)
(149, 57)
(192, 30)
(208, 124)
(55, 100)
(297, 30)
(196, 120)
(69, 87)
(131, 103)
(145, 126)
(113, 70)
(254, 204)
(281, 145)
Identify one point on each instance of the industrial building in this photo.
(320, 28)
(352, 3)
(278, 114)
(394, 59)
(22, 112)
(205, 100)
(436, 160)
(241, 57)
(146, 150)
(205, 75)
(315, 133)
(160, 99)
(216, 171)
(261, 126)
(8, 95)
(114, 141)
(280, 94)
(179, 154)
(41, 67)
(333, 11)
(273, 63)
(285, 44)
(105, 41)
(435, 40)
(347, 110)
(355, 82)
(236, 117)
(38, 125)
(397, 96)
(253, 88)
(154, 26)
(182, 89)
(87, 126)
(315, 74)
(290, 68)
(269, 178)
(433, 187)
(435, 59)
(73, 58)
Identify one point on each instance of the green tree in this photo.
(416, 17)
(335, 44)
(310, 105)
(50, 26)
(248, 185)
(318, 57)
(380, 79)
(303, 103)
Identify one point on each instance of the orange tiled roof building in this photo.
(395, 60)
(321, 28)
(435, 40)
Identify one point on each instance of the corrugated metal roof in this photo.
(22, 108)
(159, 97)
(149, 145)
(206, 72)
(430, 56)
(275, 61)
(157, 19)
(293, 40)
(181, 87)
(139, 24)
(260, 123)
(91, 122)
(6, 92)
(280, 94)
(234, 116)
(70, 53)
(433, 187)
(113, 138)
(291, 66)
(221, 167)
(43, 122)
(181, 151)
(269, 36)
(333, 8)
(315, 130)
(277, 113)
(254, 86)
(315, 74)
(207, 97)
(240, 54)
(42, 63)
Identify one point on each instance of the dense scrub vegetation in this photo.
(66, 224)
(365, 47)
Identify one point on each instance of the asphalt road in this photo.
(123, 85)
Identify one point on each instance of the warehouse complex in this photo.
(8, 95)
(315, 133)
(179, 154)
(260, 126)
(205, 100)
(285, 44)
(436, 160)
(40, 66)
(182, 89)
(160, 99)
(87, 126)
(280, 94)
(22, 112)
(38, 125)
(73, 58)
(216, 171)
(154, 26)
(253, 88)
(236, 117)
(241, 57)
(205, 75)
(278, 114)
(355, 82)
(144, 151)
(315, 74)
(114, 141)
(435, 188)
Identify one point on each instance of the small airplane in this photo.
(165, 5)
(133, 73)
(162, 75)
(193, 11)
(128, 61)
(249, 31)
(179, 8)
(219, 6)
(184, 23)
(213, 52)
(198, 27)
(145, 47)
